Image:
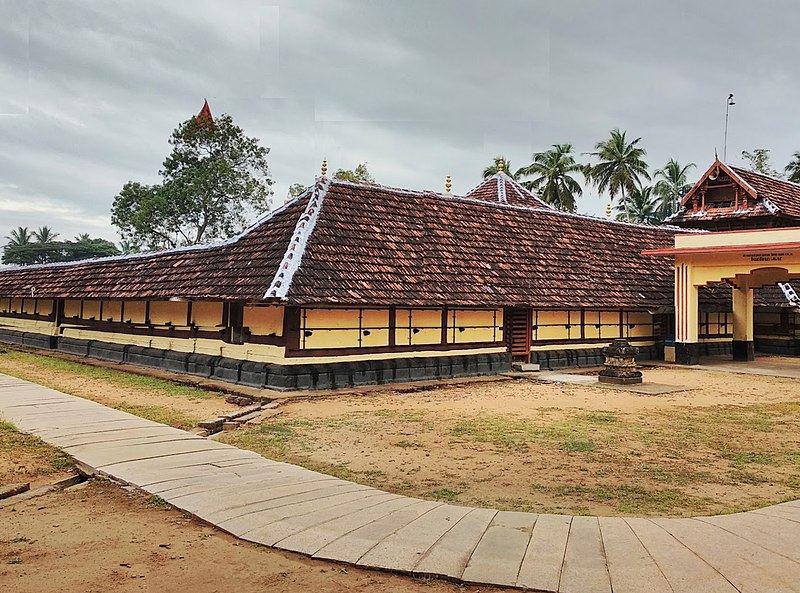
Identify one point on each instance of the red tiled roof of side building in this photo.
(783, 194)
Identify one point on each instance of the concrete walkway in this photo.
(291, 508)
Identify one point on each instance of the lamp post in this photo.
(728, 104)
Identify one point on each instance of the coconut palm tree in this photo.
(793, 168)
(621, 167)
(492, 169)
(19, 236)
(83, 238)
(671, 186)
(552, 171)
(639, 206)
(45, 235)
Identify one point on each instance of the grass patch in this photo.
(444, 494)
(273, 440)
(748, 458)
(38, 457)
(600, 417)
(46, 365)
(168, 416)
(158, 502)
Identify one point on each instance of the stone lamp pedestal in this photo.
(620, 364)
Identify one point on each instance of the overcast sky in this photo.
(90, 91)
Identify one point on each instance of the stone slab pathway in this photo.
(291, 508)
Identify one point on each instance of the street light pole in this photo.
(728, 104)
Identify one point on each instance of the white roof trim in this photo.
(279, 287)
(501, 189)
(527, 194)
(770, 206)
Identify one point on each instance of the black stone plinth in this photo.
(687, 353)
(620, 364)
(743, 350)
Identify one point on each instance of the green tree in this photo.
(48, 251)
(671, 185)
(495, 166)
(45, 235)
(759, 162)
(793, 168)
(552, 171)
(639, 206)
(19, 236)
(359, 175)
(295, 190)
(621, 167)
(213, 181)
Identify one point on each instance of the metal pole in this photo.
(728, 103)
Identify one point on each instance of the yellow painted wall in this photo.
(135, 312)
(423, 327)
(72, 308)
(44, 306)
(91, 310)
(16, 305)
(264, 321)
(168, 312)
(474, 325)
(112, 311)
(28, 325)
(344, 328)
(5, 305)
(207, 314)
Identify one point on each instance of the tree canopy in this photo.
(639, 206)
(214, 180)
(793, 168)
(671, 185)
(759, 162)
(552, 172)
(360, 174)
(621, 167)
(21, 250)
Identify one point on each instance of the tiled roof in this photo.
(784, 195)
(501, 189)
(370, 244)
(239, 268)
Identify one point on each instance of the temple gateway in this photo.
(353, 283)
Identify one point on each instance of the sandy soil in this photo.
(97, 537)
(727, 442)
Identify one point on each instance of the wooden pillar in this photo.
(743, 323)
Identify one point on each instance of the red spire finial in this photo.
(205, 113)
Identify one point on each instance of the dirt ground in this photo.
(96, 537)
(727, 442)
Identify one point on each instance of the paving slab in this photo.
(352, 546)
(311, 540)
(628, 561)
(498, 556)
(295, 506)
(245, 518)
(684, 570)
(544, 558)
(348, 504)
(449, 555)
(747, 566)
(772, 533)
(403, 549)
(783, 511)
(585, 568)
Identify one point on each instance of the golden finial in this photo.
(608, 210)
(324, 167)
(448, 184)
(500, 165)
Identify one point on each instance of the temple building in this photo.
(355, 283)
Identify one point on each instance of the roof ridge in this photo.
(557, 212)
(290, 263)
(526, 193)
(181, 249)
